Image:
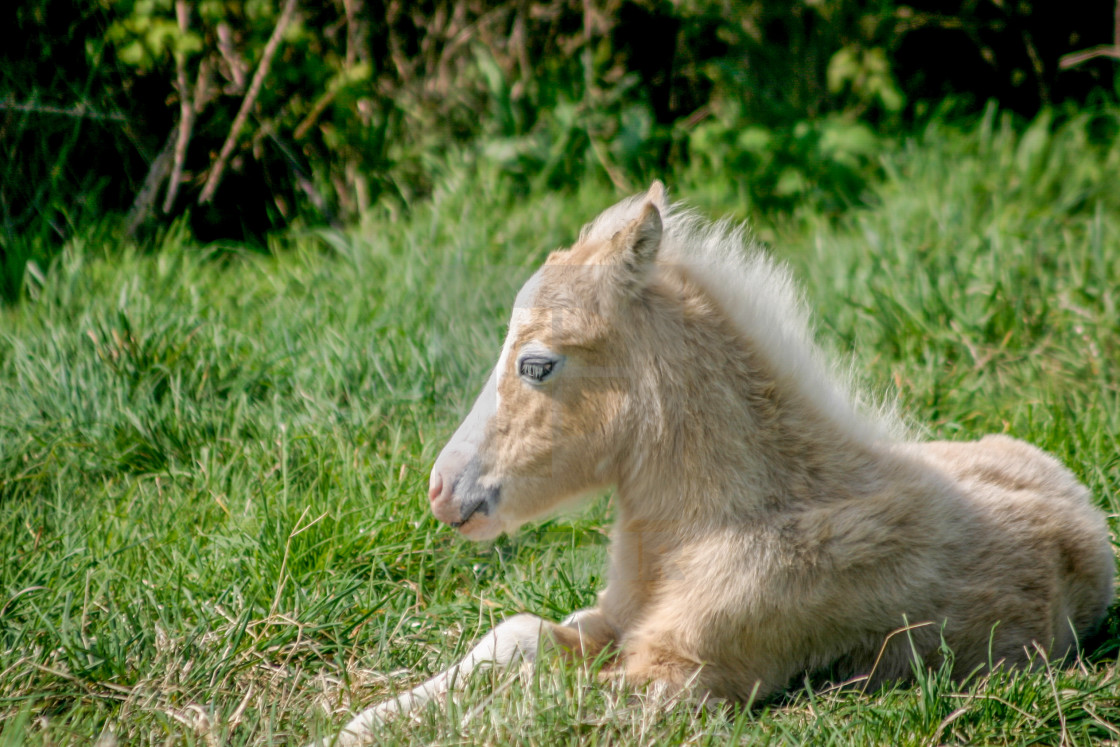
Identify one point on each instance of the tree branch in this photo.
(142, 206)
(1104, 50)
(1074, 59)
(247, 103)
(81, 111)
(186, 113)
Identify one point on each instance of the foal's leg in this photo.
(584, 633)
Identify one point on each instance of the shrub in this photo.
(246, 114)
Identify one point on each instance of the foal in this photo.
(764, 527)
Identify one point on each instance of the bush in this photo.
(245, 115)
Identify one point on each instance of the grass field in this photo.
(213, 462)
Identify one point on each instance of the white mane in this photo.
(763, 300)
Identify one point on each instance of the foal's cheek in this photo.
(527, 448)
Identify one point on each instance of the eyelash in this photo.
(536, 369)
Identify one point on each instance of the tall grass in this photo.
(213, 464)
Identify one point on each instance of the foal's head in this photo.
(550, 422)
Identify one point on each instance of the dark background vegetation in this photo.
(239, 117)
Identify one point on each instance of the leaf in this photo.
(842, 69)
(132, 53)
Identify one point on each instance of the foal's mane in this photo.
(760, 297)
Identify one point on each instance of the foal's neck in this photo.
(730, 437)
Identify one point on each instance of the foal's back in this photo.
(1035, 562)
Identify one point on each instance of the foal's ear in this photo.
(636, 245)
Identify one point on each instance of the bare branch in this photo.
(229, 54)
(247, 103)
(1104, 50)
(141, 208)
(312, 116)
(1076, 58)
(186, 114)
(81, 111)
(198, 102)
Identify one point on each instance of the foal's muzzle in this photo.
(458, 495)
(473, 497)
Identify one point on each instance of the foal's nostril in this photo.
(435, 486)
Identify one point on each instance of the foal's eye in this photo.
(536, 369)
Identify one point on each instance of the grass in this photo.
(213, 463)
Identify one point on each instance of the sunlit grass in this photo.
(213, 464)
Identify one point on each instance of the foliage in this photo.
(213, 464)
(825, 164)
(146, 109)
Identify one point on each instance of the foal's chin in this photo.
(480, 528)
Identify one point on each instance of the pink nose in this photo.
(435, 486)
(441, 485)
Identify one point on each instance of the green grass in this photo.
(213, 463)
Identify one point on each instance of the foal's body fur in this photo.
(764, 527)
